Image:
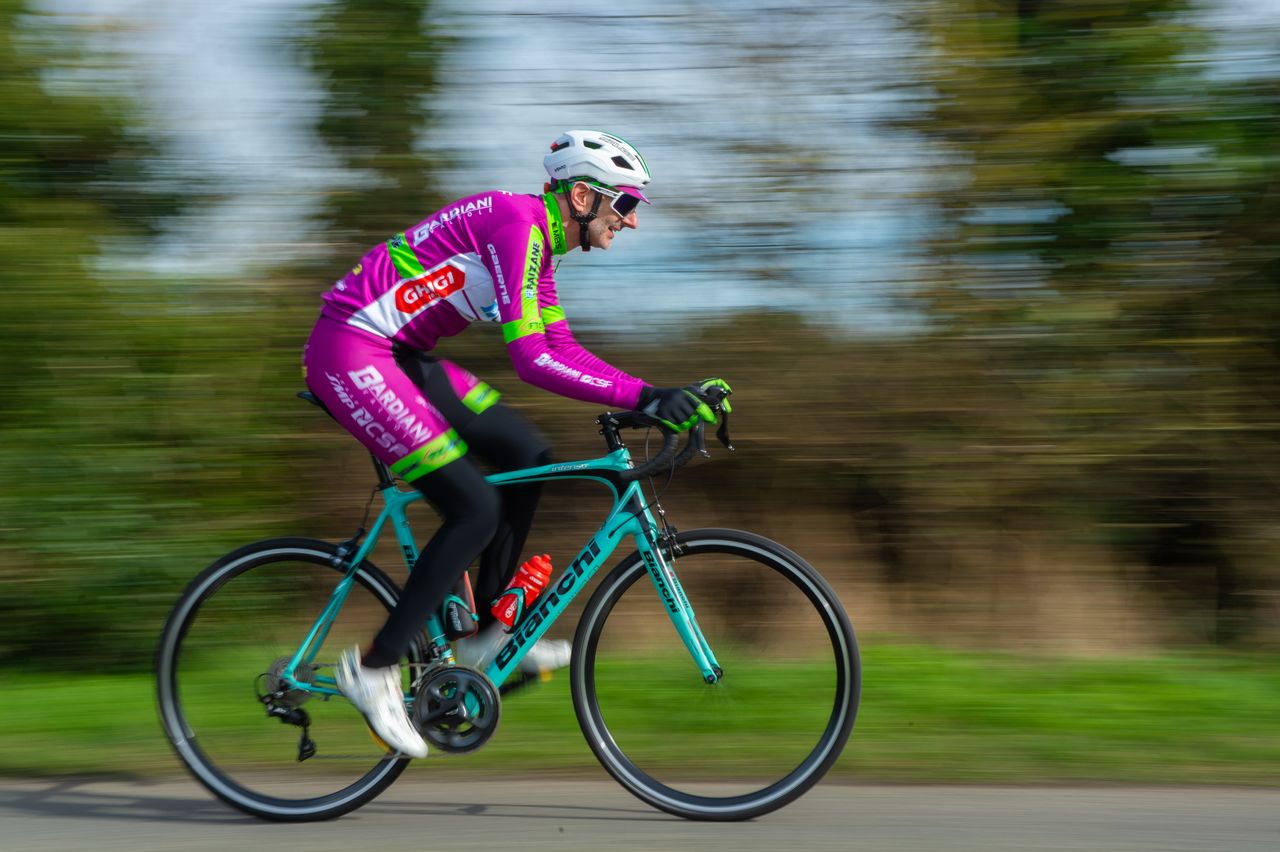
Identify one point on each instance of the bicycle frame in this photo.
(629, 516)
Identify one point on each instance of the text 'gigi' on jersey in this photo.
(486, 258)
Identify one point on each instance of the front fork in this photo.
(661, 571)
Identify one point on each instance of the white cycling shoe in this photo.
(544, 657)
(377, 694)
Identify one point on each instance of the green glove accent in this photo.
(701, 411)
(707, 384)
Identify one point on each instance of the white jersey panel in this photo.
(462, 282)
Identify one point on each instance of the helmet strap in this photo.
(583, 218)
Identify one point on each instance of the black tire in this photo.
(238, 617)
(768, 730)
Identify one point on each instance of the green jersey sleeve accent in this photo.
(403, 258)
(553, 313)
(480, 397)
(432, 455)
(530, 320)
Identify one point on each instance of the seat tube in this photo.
(397, 501)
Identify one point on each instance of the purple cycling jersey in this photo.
(485, 258)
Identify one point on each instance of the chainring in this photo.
(456, 708)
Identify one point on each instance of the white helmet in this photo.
(598, 156)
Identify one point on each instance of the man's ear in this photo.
(580, 197)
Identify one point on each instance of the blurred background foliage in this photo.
(1068, 440)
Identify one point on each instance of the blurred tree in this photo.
(1087, 258)
(73, 174)
(379, 62)
(163, 405)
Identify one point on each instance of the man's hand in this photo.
(680, 408)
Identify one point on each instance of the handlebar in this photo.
(667, 456)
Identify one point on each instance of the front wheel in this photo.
(225, 646)
(768, 729)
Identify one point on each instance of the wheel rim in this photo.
(232, 628)
(767, 731)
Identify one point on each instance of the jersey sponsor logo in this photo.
(490, 311)
(532, 270)
(341, 390)
(545, 360)
(497, 271)
(550, 363)
(402, 417)
(441, 282)
(471, 208)
(378, 432)
(363, 418)
(365, 376)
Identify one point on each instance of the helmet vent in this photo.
(593, 145)
(623, 164)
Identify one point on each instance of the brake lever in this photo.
(723, 432)
(699, 439)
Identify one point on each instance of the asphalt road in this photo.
(535, 814)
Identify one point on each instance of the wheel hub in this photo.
(279, 691)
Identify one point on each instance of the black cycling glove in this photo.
(678, 408)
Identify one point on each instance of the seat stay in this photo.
(395, 502)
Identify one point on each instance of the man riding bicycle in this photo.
(485, 258)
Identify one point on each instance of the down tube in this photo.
(552, 603)
(679, 609)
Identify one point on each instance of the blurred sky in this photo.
(235, 109)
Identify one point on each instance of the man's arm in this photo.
(551, 359)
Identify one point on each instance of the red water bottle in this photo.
(530, 579)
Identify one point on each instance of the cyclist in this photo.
(484, 258)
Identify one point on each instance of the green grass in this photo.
(927, 714)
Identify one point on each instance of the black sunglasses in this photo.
(623, 203)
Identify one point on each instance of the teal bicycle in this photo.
(733, 705)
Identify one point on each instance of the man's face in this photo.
(602, 229)
(608, 223)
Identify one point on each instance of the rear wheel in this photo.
(762, 735)
(224, 647)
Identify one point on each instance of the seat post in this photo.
(384, 474)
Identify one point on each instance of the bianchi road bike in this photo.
(729, 706)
